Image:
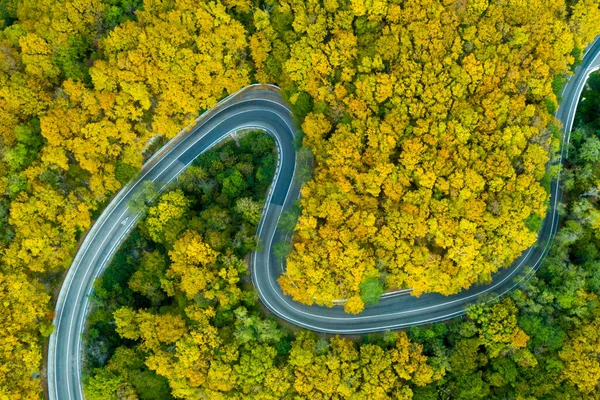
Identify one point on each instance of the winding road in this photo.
(261, 107)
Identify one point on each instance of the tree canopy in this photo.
(428, 125)
(431, 125)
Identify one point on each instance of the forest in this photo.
(175, 314)
(430, 122)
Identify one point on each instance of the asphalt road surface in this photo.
(261, 107)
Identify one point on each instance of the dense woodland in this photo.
(176, 317)
(430, 122)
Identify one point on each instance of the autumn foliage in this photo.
(203, 335)
(85, 88)
(151, 337)
(429, 121)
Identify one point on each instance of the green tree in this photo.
(371, 291)
(249, 210)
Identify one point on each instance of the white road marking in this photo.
(102, 220)
(109, 235)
